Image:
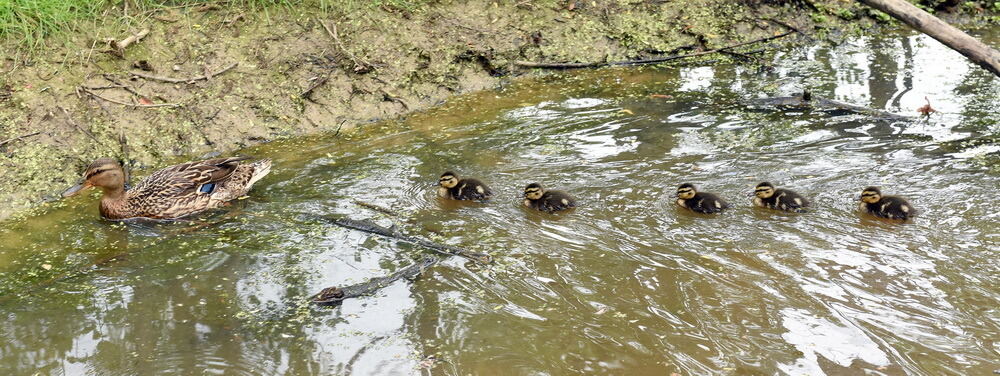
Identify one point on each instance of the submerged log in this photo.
(370, 227)
(807, 101)
(956, 39)
(335, 295)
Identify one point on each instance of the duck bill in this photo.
(72, 191)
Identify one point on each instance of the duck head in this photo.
(533, 191)
(871, 195)
(448, 180)
(104, 173)
(686, 191)
(764, 190)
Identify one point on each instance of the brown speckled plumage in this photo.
(175, 191)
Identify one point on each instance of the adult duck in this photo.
(173, 192)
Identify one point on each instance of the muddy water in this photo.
(625, 284)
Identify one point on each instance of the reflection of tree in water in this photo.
(884, 68)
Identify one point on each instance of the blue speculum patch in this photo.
(207, 188)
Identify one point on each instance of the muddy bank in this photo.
(305, 69)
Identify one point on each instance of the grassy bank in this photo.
(305, 67)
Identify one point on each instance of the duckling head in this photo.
(686, 191)
(533, 191)
(871, 195)
(105, 173)
(764, 190)
(448, 180)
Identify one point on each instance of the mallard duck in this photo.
(462, 189)
(891, 207)
(779, 198)
(689, 198)
(172, 192)
(536, 197)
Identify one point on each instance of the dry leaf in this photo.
(46, 266)
(926, 109)
(145, 101)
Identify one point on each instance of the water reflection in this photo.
(625, 284)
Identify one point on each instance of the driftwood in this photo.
(529, 64)
(956, 39)
(369, 227)
(336, 295)
(183, 80)
(812, 102)
(118, 48)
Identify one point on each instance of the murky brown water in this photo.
(625, 284)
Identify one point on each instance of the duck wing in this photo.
(187, 179)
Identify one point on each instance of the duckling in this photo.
(689, 198)
(536, 197)
(462, 189)
(778, 198)
(173, 192)
(891, 207)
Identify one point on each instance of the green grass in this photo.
(31, 22)
(28, 24)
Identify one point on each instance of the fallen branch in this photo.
(7, 141)
(183, 80)
(956, 39)
(118, 48)
(336, 295)
(369, 227)
(360, 67)
(529, 64)
(121, 85)
(95, 95)
(812, 102)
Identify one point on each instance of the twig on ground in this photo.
(95, 95)
(70, 120)
(234, 20)
(529, 64)
(316, 82)
(206, 8)
(386, 96)
(119, 84)
(7, 141)
(360, 67)
(182, 80)
(118, 48)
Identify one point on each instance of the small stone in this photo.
(177, 68)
